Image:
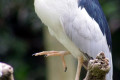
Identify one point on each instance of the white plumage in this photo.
(73, 27)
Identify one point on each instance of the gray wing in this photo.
(85, 33)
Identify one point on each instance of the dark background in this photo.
(21, 35)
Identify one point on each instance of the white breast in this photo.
(51, 14)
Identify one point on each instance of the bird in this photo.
(80, 26)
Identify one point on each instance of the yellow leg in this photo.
(64, 63)
(80, 63)
(54, 53)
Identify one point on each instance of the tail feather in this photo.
(110, 74)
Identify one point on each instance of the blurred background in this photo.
(22, 34)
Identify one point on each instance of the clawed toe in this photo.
(54, 53)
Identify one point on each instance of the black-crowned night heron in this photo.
(80, 25)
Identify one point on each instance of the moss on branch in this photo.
(98, 68)
(6, 72)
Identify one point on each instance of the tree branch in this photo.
(98, 68)
(6, 72)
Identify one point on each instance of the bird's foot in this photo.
(54, 53)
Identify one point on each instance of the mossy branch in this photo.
(98, 68)
(6, 72)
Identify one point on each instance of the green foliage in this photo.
(20, 37)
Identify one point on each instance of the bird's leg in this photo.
(80, 63)
(54, 53)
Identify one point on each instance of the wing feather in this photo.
(94, 10)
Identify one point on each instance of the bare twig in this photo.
(98, 68)
(6, 72)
